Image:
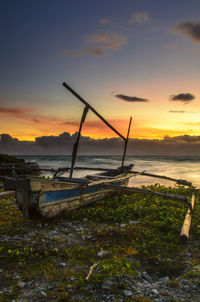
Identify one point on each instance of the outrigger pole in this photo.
(87, 107)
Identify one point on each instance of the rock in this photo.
(102, 254)
(196, 268)
(155, 291)
(128, 293)
(133, 222)
(146, 276)
(107, 284)
(163, 280)
(62, 264)
(43, 293)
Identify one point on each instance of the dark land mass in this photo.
(62, 144)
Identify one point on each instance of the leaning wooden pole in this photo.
(184, 235)
(75, 149)
(126, 141)
(92, 109)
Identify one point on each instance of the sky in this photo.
(138, 58)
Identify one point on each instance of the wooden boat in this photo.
(48, 198)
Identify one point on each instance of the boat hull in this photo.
(38, 198)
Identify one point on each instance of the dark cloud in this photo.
(182, 97)
(130, 98)
(184, 138)
(63, 143)
(189, 29)
(15, 110)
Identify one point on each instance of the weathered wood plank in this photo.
(6, 193)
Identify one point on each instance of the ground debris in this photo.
(99, 254)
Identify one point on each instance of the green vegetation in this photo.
(133, 232)
(8, 159)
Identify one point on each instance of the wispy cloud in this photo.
(108, 40)
(16, 111)
(99, 44)
(96, 123)
(139, 17)
(180, 111)
(105, 21)
(182, 97)
(95, 51)
(131, 98)
(188, 29)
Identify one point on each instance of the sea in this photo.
(180, 167)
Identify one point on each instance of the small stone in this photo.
(196, 268)
(43, 293)
(107, 284)
(128, 293)
(155, 291)
(133, 222)
(146, 276)
(102, 254)
(163, 280)
(62, 264)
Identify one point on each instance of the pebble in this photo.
(146, 276)
(155, 291)
(102, 254)
(107, 284)
(43, 293)
(128, 293)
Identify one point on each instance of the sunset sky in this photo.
(138, 58)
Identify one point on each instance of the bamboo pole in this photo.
(6, 193)
(146, 191)
(184, 235)
(126, 141)
(92, 109)
(178, 181)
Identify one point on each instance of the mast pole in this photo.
(92, 109)
(126, 141)
(75, 149)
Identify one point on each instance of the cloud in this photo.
(130, 98)
(108, 40)
(140, 18)
(188, 29)
(185, 138)
(100, 43)
(182, 97)
(15, 111)
(104, 21)
(193, 124)
(180, 111)
(95, 51)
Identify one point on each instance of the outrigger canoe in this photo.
(48, 198)
(38, 197)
